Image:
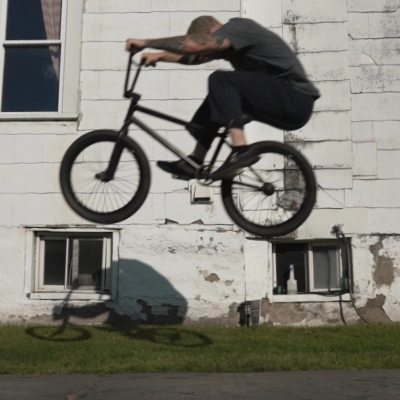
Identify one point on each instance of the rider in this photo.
(268, 79)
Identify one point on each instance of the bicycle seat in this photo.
(285, 126)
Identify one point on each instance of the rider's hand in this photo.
(135, 45)
(151, 59)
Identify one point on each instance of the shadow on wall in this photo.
(144, 297)
(147, 296)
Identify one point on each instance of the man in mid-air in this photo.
(268, 79)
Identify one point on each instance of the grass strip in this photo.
(144, 348)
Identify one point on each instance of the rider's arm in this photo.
(167, 56)
(184, 45)
(195, 59)
(191, 44)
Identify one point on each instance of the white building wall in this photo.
(190, 261)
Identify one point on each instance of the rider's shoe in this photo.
(235, 162)
(179, 169)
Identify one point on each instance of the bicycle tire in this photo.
(237, 211)
(106, 138)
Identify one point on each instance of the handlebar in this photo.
(128, 93)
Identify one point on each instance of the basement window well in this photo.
(72, 265)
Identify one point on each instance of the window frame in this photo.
(70, 42)
(34, 286)
(312, 294)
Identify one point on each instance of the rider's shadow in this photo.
(145, 297)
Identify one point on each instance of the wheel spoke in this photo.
(272, 193)
(97, 200)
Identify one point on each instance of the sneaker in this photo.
(179, 169)
(234, 164)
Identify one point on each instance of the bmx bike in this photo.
(105, 174)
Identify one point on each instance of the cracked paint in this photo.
(383, 265)
(212, 278)
(374, 311)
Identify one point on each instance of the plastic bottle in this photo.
(291, 282)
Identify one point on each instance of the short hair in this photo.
(202, 24)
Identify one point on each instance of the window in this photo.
(39, 56)
(73, 265)
(319, 267)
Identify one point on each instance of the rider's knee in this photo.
(217, 77)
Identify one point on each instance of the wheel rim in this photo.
(101, 196)
(271, 192)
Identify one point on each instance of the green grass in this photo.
(109, 350)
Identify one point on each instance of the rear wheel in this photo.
(93, 198)
(274, 196)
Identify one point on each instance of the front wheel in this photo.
(274, 196)
(98, 200)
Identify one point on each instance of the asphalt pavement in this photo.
(310, 385)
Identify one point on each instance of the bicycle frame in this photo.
(131, 119)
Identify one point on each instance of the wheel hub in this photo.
(268, 189)
(104, 176)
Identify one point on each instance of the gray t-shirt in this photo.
(255, 48)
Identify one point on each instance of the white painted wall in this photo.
(350, 50)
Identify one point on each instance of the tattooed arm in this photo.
(184, 45)
(166, 56)
(190, 44)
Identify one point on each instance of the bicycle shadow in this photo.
(147, 298)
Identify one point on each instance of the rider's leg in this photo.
(238, 137)
(204, 138)
(221, 97)
(230, 92)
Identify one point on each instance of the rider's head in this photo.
(204, 24)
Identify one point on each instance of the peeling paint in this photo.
(373, 311)
(290, 17)
(294, 41)
(383, 266)
(212, 278)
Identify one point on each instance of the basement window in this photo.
(73, 265)
(320, 267)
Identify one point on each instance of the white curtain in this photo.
(51, 10)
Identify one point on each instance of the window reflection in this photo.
(326, 267)
(31, 81)
(33, 19)
(54, 262)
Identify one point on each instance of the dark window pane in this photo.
(54, 262)
(31, 80)
(33, 19)
(90, 263)
(326, 267)
(291, 253)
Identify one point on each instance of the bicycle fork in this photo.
(108, 174)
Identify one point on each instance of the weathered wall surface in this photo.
(183, 263)
(377, 269)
